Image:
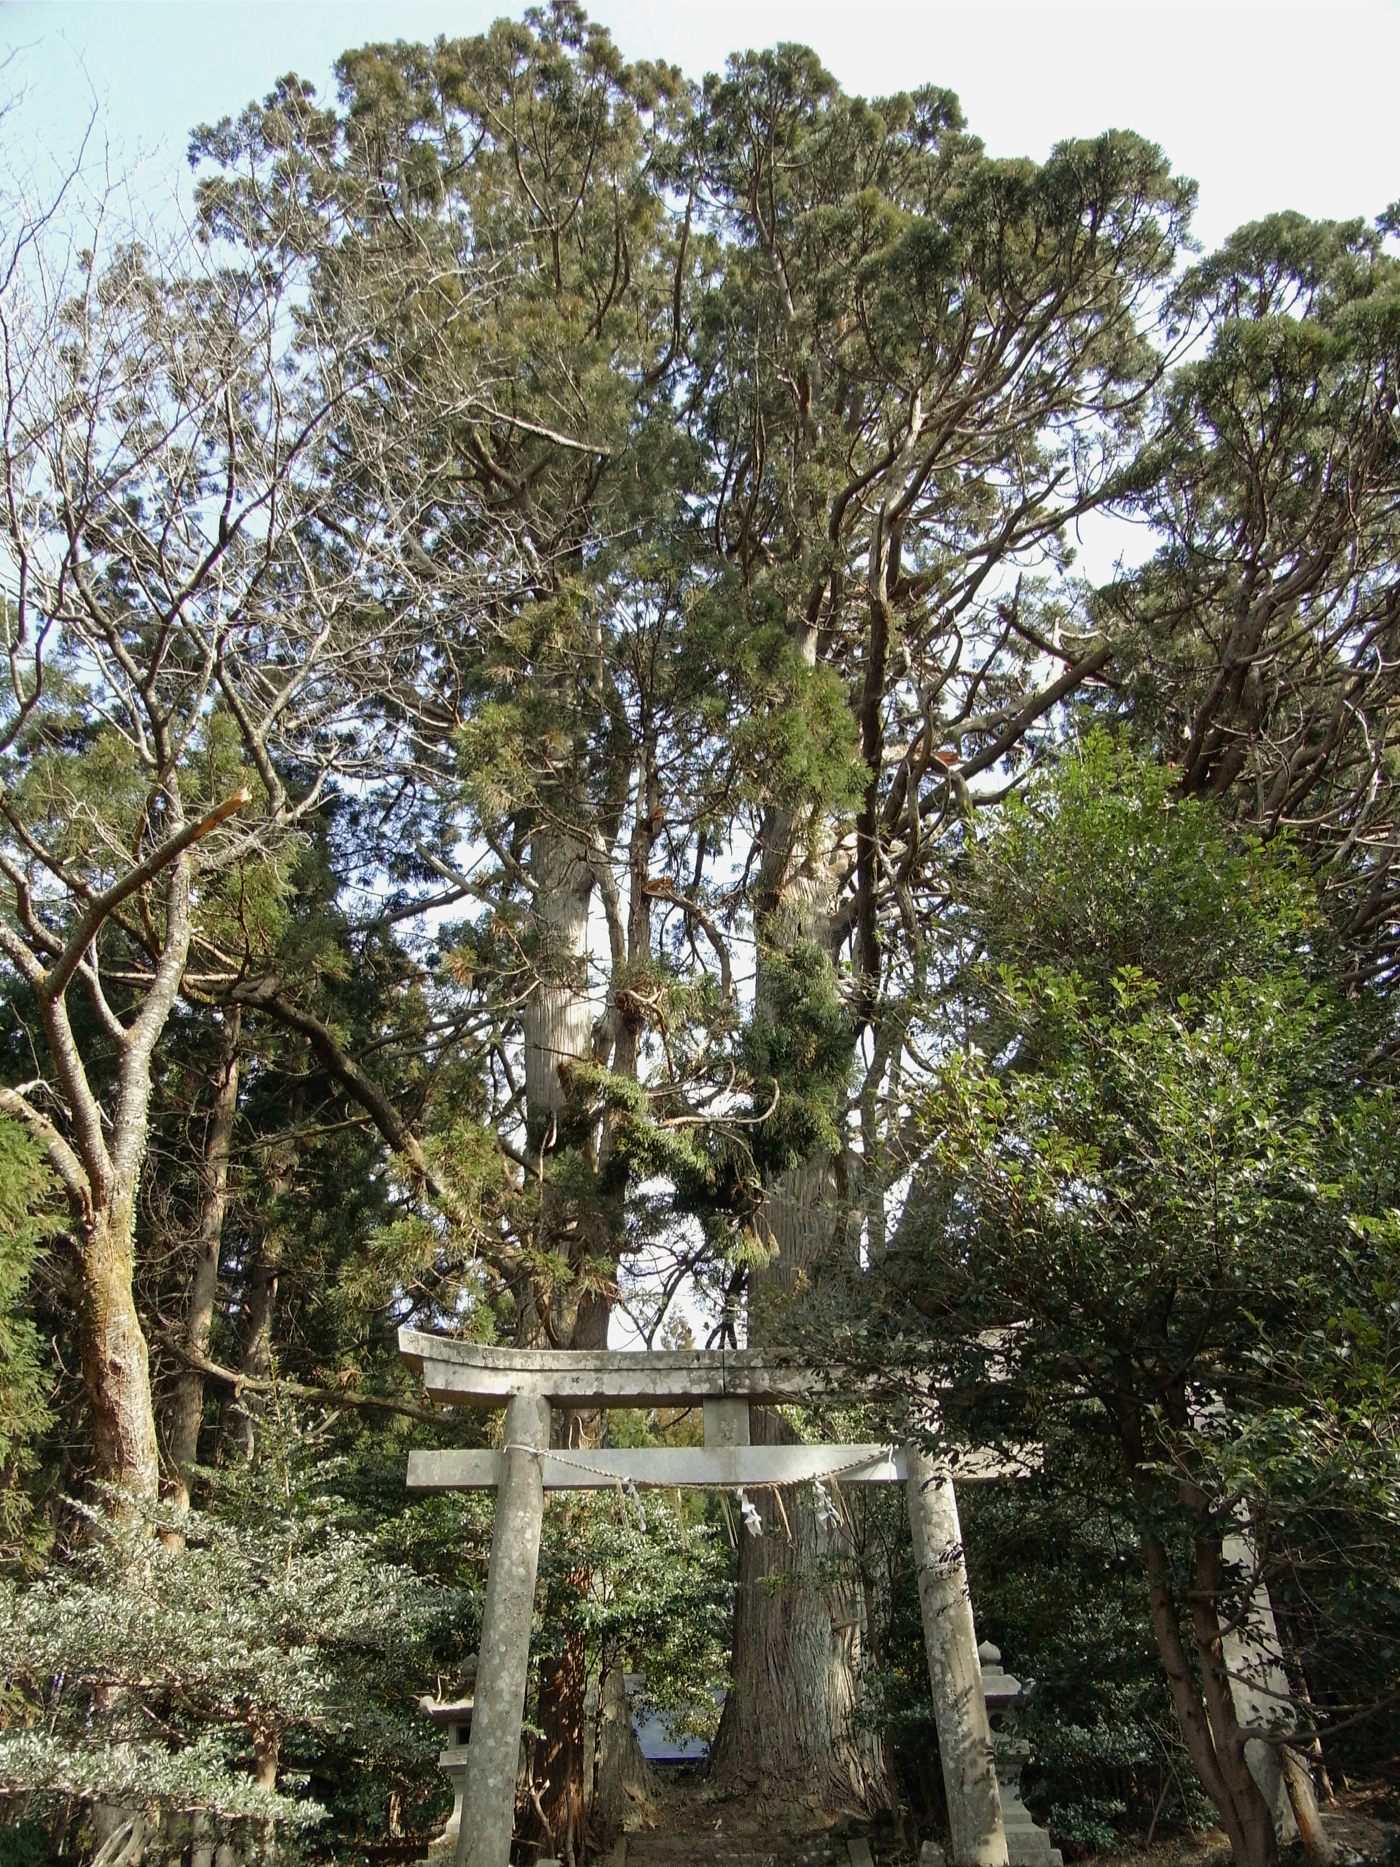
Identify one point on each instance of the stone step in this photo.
(706, 1853)
(721, 1850)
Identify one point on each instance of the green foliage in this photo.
(646, 1581)
(1112, 867)
(1153, 1175)
(660, 496)
(24, 1844)
(27, 1217)
(1251, 638)
(279, 1632)
(1151, 1234)
(658, 1598)
(1058, 1587)
(792, 736)
(796, 1051)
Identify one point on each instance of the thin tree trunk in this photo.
(1197, 1677)
(255, 1355)
(1190, 1713)
(185, 1409)
(1297, 1780)
(267, 1752)
(113, 1351)
(1255, 1816)
(267, 1758)
(555, 1815)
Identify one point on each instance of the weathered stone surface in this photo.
(722, 1467)
(455, 1717)
(717, 1464)
(720, 1849)
(1027, 1845)
(950, 1639)
(476, 1374)
(727, 1422)
(488, 1810)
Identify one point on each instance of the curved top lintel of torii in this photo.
(474, 1374)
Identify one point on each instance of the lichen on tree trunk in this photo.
(116, 1361)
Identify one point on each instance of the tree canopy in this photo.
(559, 774)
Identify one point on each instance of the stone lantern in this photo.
(1026, 1844)
(454, 1719)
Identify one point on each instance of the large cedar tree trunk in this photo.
(788, 1732)
(558, 1018)
(623, 1782)
(558, 1036)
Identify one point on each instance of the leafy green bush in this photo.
(263, 1673)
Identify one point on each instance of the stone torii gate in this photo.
(725, 1383)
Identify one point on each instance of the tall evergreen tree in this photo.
(510, 641)
(1263, 631)
(917, 368)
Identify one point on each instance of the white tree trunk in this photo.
(558, 1017)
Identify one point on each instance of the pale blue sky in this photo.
(1266, 105)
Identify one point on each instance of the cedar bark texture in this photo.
(789, 1732)
(789, 1723)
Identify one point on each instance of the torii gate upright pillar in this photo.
(503, 1663)
(950, 1641)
